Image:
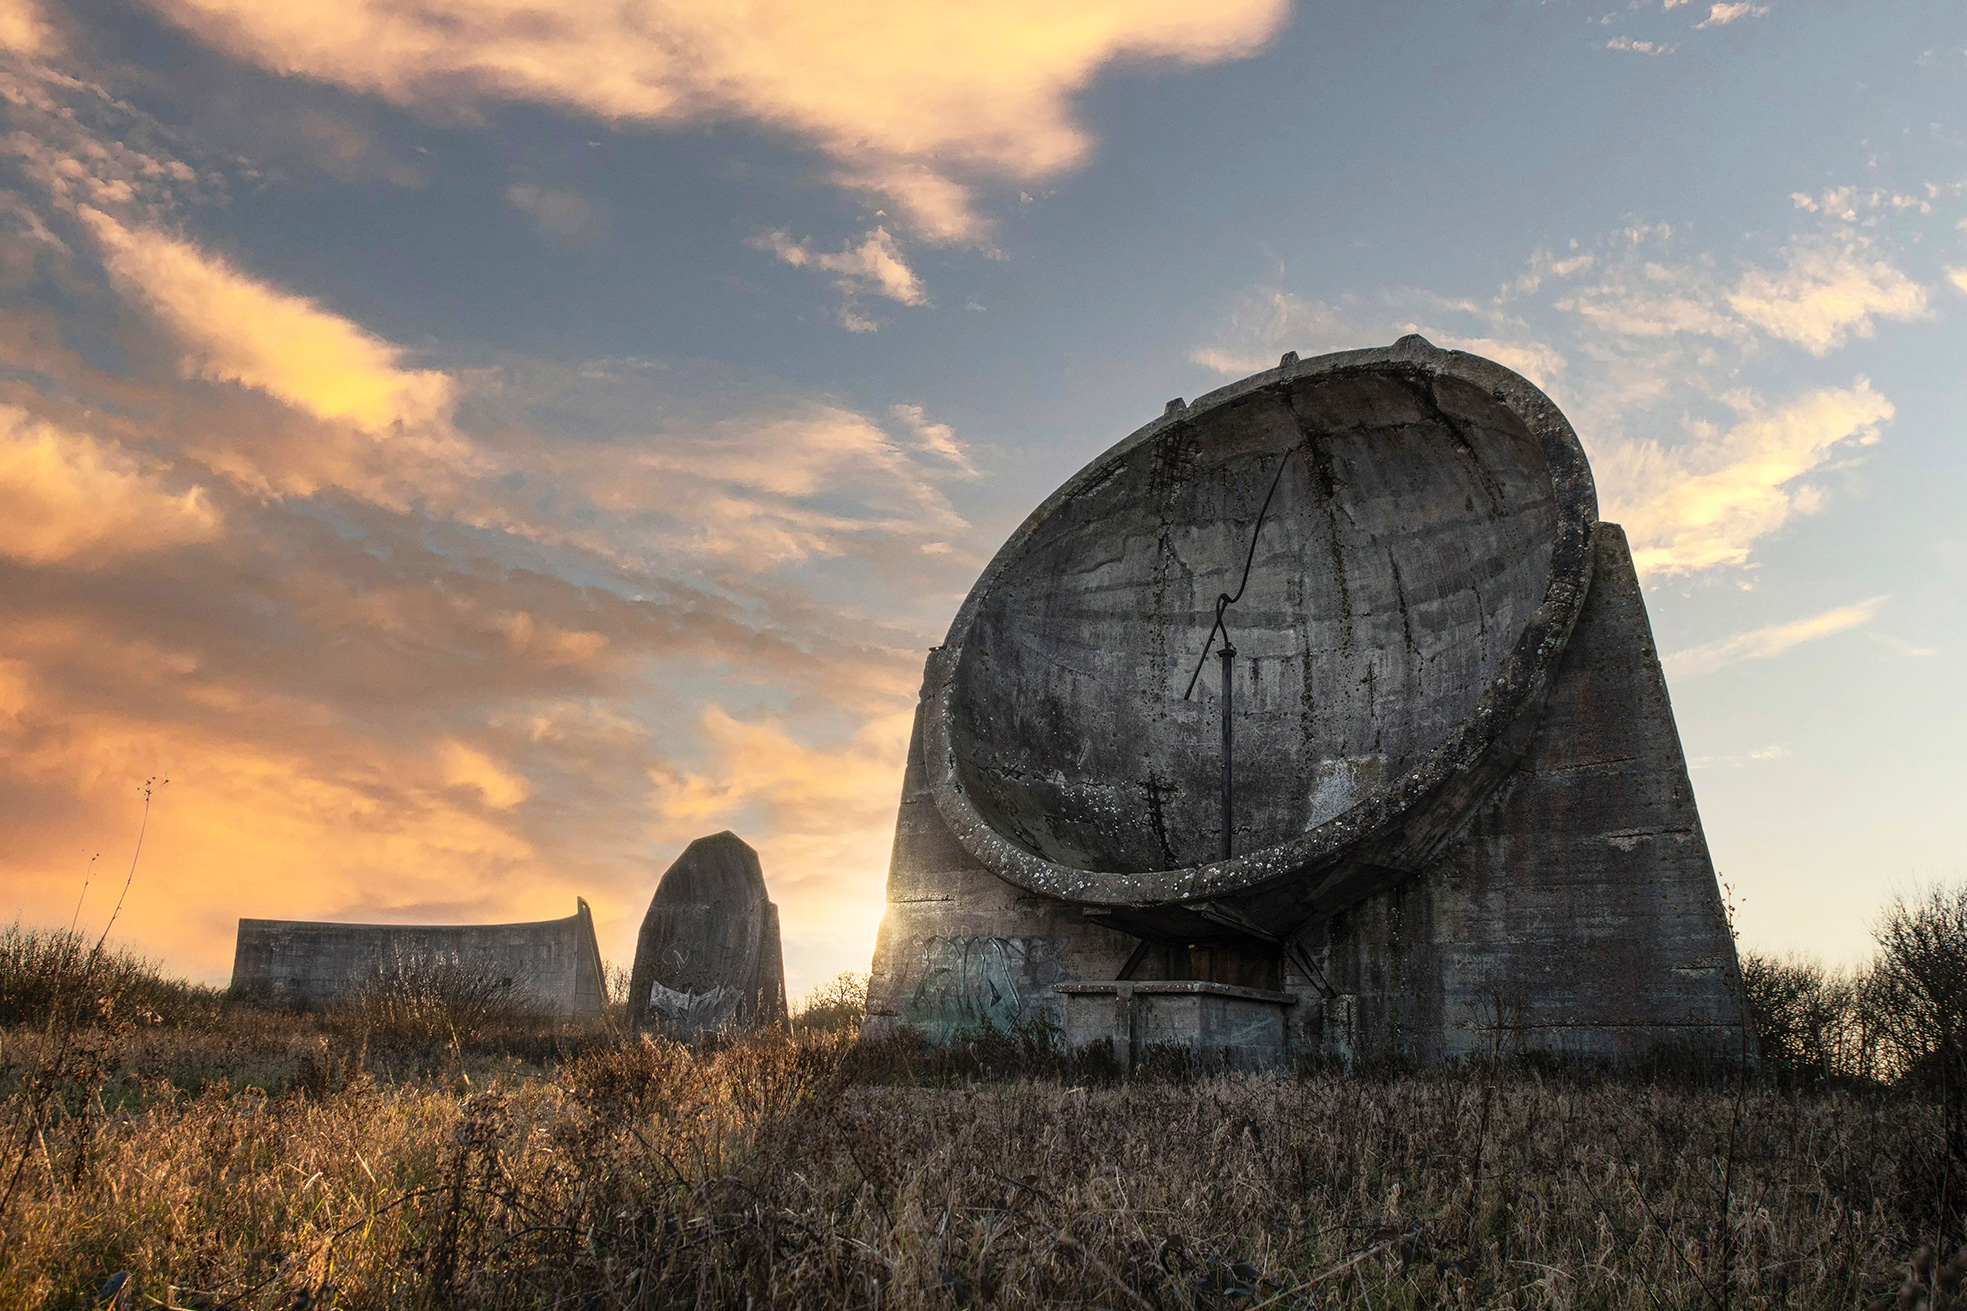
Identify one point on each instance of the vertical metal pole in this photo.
(1228, 654)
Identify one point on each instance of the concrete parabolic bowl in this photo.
(1426, 551)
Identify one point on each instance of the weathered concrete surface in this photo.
(1219, 1024)
(1427, 552)
(1470, 811)
(1578, 911)
(708, 959)
(960, 948)
(552, 964)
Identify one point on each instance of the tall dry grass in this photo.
(810, 1171)
(57, 974)
(426, 1146)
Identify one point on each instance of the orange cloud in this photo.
(306, 827)
(1705, 504)
(22, 29)
(65, 495)
(240, 330)
(392, 723)
(908, 99)
(463, 767)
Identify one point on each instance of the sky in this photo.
(472, 448)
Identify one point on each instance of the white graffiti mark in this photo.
(694, 1012)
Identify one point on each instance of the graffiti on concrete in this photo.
(676, 1010)
(966, 984)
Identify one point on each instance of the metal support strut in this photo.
(1228, 656)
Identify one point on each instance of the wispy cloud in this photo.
(1912, 650)
(1266, 321)
(913, 102)
(560, 214)
(1758, 756)
(1826, 292)
(1720, 15)
(938, 440)
(1827, 289)
(875, 266)
(1705, 503)
(1768, 643)
(1647, 345)
(1632, 45)
(235, 328)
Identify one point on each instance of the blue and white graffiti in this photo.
(966, 984)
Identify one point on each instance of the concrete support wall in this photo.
(1576, 911)
(959, 947)
(553, 964)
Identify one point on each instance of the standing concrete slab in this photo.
(708, 959)
(552, 964)
(1460, 812)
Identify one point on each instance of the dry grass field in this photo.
(271, 1162)
(424, 1148)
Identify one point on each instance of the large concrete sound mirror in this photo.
(1443, 807)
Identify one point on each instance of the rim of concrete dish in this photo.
(1520, 681)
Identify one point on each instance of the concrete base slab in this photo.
(1216, 1023)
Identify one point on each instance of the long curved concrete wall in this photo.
(554, 964)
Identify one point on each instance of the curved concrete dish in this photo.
(1416, 579)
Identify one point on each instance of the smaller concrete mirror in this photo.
(708, 959)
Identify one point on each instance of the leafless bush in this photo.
(1917, 994)
(413, 999)
(834, 1006)
(1916, 997)
(1811, 1023)
(615, 983)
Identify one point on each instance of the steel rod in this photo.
(1228, 654)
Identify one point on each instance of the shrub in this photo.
(1917, 992)
(837, 1005)
(42, 969)
(416, 1000)
(1810, 1023)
